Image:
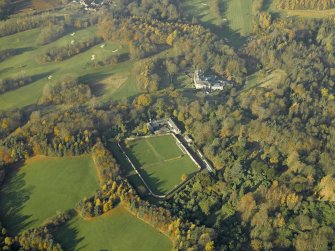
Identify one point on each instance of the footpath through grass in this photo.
(160, 162)
(118, 230)
(43, 186)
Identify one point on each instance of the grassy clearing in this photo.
(43, 186)
(236, 18)
(269, 80)
(117, 230)
(25, 64)
(160, 162)
(239, 15)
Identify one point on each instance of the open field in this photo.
(43, 186)
(25, 64)
(236, 18)
(160, 161)
(239, 16)
(117, 230)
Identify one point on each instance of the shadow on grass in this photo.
(23, 50)
(68, 236)
(13, 196)
(156, 185)
(223, 30)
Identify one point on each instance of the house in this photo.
(208, 82)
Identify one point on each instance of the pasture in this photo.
(117, 230)
(160, 162)
(42, 186)
(25, 64)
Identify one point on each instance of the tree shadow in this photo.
(68, 236)
(223, 30)
(23, 50)
(266, 5)
(156, 185)
(13, 196)
(16, 52)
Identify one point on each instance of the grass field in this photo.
(25, 64)
(239, 15)
(160, 161)
(115, 231)
(41, 187)
(236, 18)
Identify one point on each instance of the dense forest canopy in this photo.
(271, 144)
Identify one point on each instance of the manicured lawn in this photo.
(25, 64)
(43, 186)
(115, 231)
(154, 149)
(160, 161)
(236, 18)
(239, 16)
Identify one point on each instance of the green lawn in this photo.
(41, 187)
(160, 162)
(117, 231)
(154, 149)
(239, 15)
(25, 64)
(236, 18)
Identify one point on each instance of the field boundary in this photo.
(139, 175)
(184, 149)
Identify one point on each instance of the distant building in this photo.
(163, 126)
(210, 82)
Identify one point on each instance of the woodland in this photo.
(271, 144)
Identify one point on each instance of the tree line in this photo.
(9, 84)
(305, 4)
(58, 54)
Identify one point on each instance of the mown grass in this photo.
(160, 162)
(236, 18)
(26, 64)
(41, 187)
(117, 230)
(239, 15)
